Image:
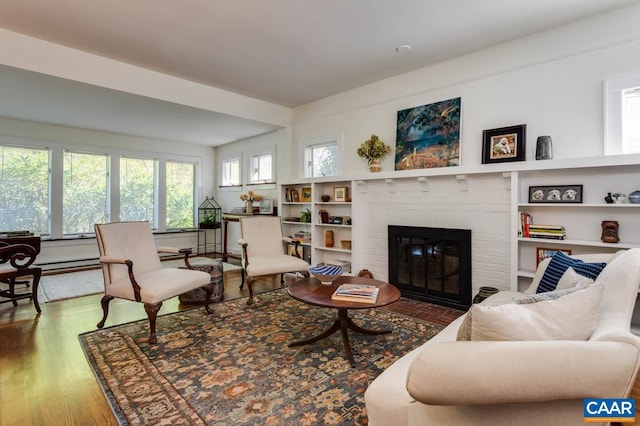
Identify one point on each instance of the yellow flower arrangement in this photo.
(251, 196)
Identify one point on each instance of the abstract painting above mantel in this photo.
(428, 136)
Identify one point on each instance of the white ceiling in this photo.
(287, 52)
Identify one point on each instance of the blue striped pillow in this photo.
(559, 264)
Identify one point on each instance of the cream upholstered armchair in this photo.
(263, 250)
(132, 270)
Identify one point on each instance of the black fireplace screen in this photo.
(431, 264)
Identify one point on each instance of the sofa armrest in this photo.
(475, 373)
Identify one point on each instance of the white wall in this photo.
(552, 82)
(228, 198)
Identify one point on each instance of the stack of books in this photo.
(554, 232)
(360, 293)
(528, 229)
(302, 236)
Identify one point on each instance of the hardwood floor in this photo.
(44, 376)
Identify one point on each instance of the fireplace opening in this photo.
(431, 264)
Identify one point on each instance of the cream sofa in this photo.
(450, 382)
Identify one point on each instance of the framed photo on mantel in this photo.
(504, 144)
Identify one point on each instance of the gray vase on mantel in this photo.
(544, 149)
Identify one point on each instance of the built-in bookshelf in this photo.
(582, 222)
(331, 213)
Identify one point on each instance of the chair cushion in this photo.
(263, 235)
(568, 314)
(159, 285)
(128, 240)
(275, 264)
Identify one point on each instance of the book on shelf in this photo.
(550, 227)
(549, 237)
(524, 224)
(360, 293)
(546, 231)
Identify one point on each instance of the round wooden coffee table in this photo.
(312, 292)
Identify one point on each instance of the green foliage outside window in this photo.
(85, 192)
(137, 178)
(180, 195)
(24, 189)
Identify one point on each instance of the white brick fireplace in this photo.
(479, 202)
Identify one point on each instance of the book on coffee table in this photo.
(359, 293)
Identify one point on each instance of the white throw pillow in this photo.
(569, 317)
(571, 279)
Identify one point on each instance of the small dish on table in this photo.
(326, 274)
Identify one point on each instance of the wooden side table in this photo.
(312, 292)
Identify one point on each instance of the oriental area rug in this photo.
(234, 367)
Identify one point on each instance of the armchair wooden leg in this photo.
(242, 273)
(152, 312)
(250, 281)
(209, 289)
(105, 309)
(34, 290)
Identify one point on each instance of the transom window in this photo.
(230, 171)
(622, 119)
(261, 168)
(321, 159)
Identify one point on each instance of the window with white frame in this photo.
(230, 171)
(137, 189)
(24, 189)
(84, 192)
(180, 195)
(622, 120)
(321, 158)
(56, 189)
(261, 168)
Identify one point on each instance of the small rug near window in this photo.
(234, 367)
(84, 283)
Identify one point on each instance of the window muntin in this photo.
(85, 192)
(261, 170)
(180, 198)
(230, 172)
(322, 159)
(24, 189)
(137, 189)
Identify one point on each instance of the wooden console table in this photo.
(226, 218)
